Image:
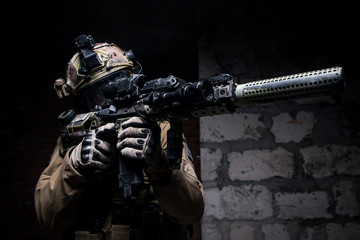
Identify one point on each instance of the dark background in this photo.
(273, 38)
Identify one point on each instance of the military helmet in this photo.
(92, 63)
(91, 66)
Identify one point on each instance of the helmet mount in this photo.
(85, 44)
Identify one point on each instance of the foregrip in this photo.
(319, 82)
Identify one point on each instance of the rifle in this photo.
(173, 99)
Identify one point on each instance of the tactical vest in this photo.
(116, 218)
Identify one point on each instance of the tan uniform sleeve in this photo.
(60, 185)
(57, 189)
(183, 197)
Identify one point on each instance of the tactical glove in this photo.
(96, 152)
(139, 142)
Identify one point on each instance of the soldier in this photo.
(78, 192)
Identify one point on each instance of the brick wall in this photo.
(286, 170)
(272, 182)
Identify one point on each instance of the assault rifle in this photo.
(173, 99)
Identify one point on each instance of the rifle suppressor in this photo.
(314, 83)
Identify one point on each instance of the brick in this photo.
(350, 231)
(255, 165)
(246, 202)
(329, 160)
(302, 205)
(318, 162)
(288, 129)
(210, 232)
(210, 162)
(231, 127)
(275, 231)
(307, 234)
(346, 200)
(242, 231)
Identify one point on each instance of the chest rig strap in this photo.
(136, 218)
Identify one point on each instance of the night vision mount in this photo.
(85, 44)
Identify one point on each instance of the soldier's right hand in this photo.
(96, 152)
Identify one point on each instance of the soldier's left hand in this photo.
(139, 140)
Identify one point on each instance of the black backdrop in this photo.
(38, 40)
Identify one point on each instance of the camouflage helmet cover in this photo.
(112, 59)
